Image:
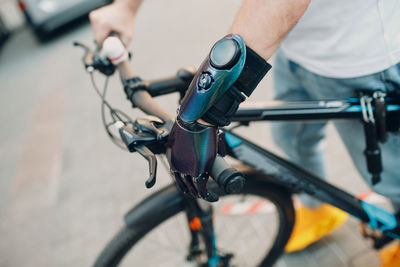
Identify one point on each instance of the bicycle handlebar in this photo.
(227, 178)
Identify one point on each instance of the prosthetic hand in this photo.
(229, 74)
(191, 153)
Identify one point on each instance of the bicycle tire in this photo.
(256, 184)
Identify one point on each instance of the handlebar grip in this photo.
(177, 83)
(229, 179)
(166, 86)
(142, 99)
(114, 50)
(146, 103)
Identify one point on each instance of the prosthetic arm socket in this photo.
(230, 73)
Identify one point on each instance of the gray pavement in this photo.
(64, 187)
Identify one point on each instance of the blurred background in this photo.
(64, 187)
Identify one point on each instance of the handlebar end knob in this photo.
(231, 181)
(235, 185)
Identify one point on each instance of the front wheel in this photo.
(253, 227)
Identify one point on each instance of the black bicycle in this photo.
(246, 228)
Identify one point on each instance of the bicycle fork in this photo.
(200, 220)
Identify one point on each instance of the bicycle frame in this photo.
(297, 178)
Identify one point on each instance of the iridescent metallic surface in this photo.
(192, 147)
(190, 155)
(199, 99)
(192, 152)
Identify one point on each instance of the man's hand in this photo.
(117, 17)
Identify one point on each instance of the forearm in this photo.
(264, 23)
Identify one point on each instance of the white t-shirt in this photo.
(346, 38)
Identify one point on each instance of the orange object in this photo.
(195, 224)
(390, 257)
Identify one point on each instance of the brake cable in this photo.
(116, 115)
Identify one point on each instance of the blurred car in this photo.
(46, 16)
(4, 33)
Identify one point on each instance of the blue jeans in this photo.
(302, 141)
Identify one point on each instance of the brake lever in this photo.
(131, 138)
(151, 158)
(132, 141)
(87, 58)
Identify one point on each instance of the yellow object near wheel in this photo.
(312, 224)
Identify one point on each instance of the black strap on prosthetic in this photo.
(255, 68)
